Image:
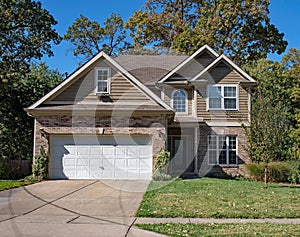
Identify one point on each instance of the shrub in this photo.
(277, 171)
(5, 172)
(160, 166)
(294, 176)
(256, 171)
(161, 176)
(40, 166)
(162, 160)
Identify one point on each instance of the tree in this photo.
(16, 127)
(86, 37)
(268, 134)
(241, 29)
(89, 38)
(291, 68)
(25, 33)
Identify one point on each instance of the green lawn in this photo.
(217, 198)
(13, 184)
(200, 230)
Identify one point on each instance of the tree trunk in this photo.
(266, 175)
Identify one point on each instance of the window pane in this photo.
(232, 143)
(222, 143)
(214, 92)
(212, 157)
(212, 142)
(230, 103)
(215, 103)
(222, 157)
(179, 101)
(102, 86)
(232, 157)
(102, 74)
(229, 91)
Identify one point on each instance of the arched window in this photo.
(179, 98)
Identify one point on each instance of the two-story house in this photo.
(111, 117)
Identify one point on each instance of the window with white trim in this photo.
(222, 150)
(102, 80)
(222, 97)
(179, 101)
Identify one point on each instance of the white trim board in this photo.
(181, 65)
(227, 60)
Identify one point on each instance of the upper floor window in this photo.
(222, 97)
(222, 150)
(102, 80)
(179, 99)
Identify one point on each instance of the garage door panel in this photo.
(133, 163)
(121, 173)
(108, 151)
(95, 162)
(67, 162)
(82, 162)
(133, 152)
(96, 150)
(120, 151)
(102, 157)
(82, 173)
(120, 163)
(108, 163)
(145, 164)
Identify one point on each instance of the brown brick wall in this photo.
(243, 158)
(76, 125)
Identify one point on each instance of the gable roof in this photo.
(80, 70)
(189, 59)
(149, 68)
(228, 61)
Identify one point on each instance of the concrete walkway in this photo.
(213, 220)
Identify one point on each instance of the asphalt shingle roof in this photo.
(149, 68)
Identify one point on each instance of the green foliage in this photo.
(160, 166)
(161, 176)
(241, 29)
(5, 172)
(26, 33)
(16, 127)
(277, 171)
(40, 165)
(89, 38)
(226, 229)
(162, 160)
(268, 135)
(294, 176)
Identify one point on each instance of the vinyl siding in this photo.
(222, 74)
(121, 89)
(194, 67)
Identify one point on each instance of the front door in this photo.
(181, 148)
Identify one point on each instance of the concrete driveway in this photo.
(72, 208)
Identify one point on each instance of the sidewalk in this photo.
(212, 220)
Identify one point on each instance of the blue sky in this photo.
(284, 14)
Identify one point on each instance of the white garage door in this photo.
(100, 157)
